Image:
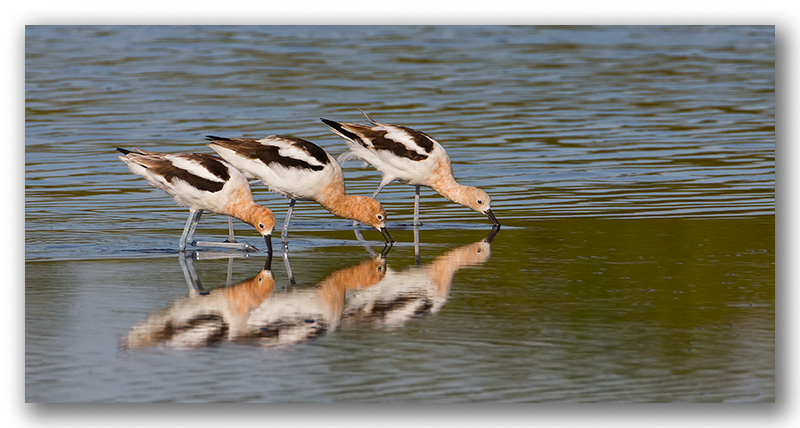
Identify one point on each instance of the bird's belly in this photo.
(193, 198)
(410, 172)
(298, 184)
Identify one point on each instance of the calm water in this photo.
(632, 169)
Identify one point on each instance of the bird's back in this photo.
(293, 167)
(399, 152)
(195, 180)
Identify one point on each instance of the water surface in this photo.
(632, 169)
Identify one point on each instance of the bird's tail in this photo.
(368, 118)
(215, 138)
(135, 151)
(346, 156)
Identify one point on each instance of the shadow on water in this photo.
(261, 312)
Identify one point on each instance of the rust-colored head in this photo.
(262, 219)
(367, 211)
(476, 200)
(370, 212)
(473, 198)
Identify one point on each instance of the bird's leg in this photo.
(378, 190)
(285, 230)
(182, 241)
(416, 244)
(357, 230)
(360, 238)
(230, 271)
(231, 238)
(241, 246)
(188, 230)
(288, 265)
(191, 227)
(416, 208)
(187, 266)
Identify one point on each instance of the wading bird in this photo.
(301, 171)
(202, 182)
(412, 157)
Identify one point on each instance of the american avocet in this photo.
(301, 171)
(411, 157)
(202, 182)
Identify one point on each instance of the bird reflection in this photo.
(299, 314)
(252, 311)
(204, 318)
(256, 311)
(416, 290)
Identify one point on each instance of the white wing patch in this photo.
(193, 168)
(288, 150)
(401, 136)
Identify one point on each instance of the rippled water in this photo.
(632, 169)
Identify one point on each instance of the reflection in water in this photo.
(416, 290)
(301, 313)
(253, 312)
(204, 318)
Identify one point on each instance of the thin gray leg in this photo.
(241, 246)
(364, 242)
(188, 230)
(288, 266)
(416, 244)
(378, 190)
(187, 266)
(188, 237)
(230, 272)
(193, 228)
(416, 208)
(357, 230)
(285, 231)
(231, 238)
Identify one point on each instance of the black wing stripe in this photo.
(378, 141)
(158, 164)
(419, 138)
(338, 126)
(212, 164)
(312, 149)
(170, 172)
(267, 154)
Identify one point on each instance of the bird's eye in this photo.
(380, 217)
(480, 201)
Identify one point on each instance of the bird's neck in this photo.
(445, 185)
(350, 207)
(336, 200)
(243, 207)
